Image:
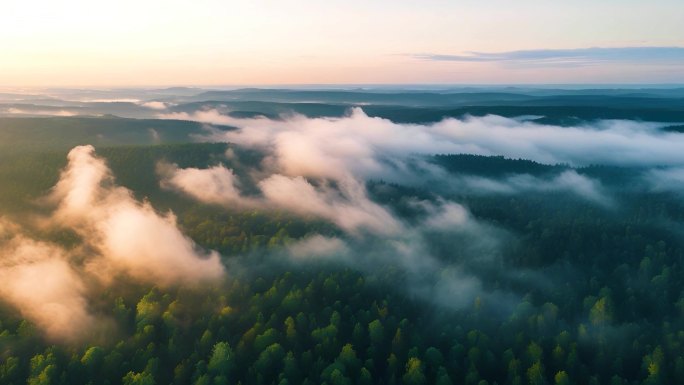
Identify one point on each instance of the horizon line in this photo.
(5, 88)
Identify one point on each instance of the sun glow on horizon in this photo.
(209, 42)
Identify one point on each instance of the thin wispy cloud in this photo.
(569, 57)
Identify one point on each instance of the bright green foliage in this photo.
(414, 373)
(601, 314)
(138, 379)
(561, 378)
(376, 331)
(535, 374)
(43, 369)
(222, 360)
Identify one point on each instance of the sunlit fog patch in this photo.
(39, 281)
(38, 112)
(130, 235)
(215, 185)
(318, 246)
(118, 237)
(110, 100)
(348, 205)
(357, 136)
(155, 105)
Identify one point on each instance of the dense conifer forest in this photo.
(552, 272)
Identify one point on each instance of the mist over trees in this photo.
(342, 247)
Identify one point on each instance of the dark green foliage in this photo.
(593, 295)
(52, 134)
(493, 166)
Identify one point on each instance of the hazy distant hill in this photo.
(62, 133)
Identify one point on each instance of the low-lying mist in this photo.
(119, 237)
(316, 168)
(311, 146)
(319, 167)
(376, 148)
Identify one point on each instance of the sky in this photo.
(280, 42)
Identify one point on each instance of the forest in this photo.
(315, 251)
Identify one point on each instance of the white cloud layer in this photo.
(322, 146)
(569, 181)
(39, 281)
(130, 236)
(318, 167)
(120, 236)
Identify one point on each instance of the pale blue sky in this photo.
(211, 42)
